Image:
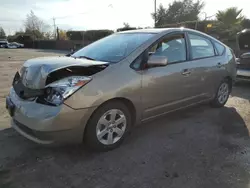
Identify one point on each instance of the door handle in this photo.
(219, 65)
(186, 72)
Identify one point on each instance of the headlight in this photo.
(60, 90)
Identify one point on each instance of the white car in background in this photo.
(14, 45)
(3, 43)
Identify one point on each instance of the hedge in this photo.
(90, 35)
(201, 25)
(126, 29)
(93, 35)
(75, 35)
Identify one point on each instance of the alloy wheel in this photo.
(111, 127)
(223, 93)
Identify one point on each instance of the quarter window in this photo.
(201, 47)
(173, 47)
(220, 48)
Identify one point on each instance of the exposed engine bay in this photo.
(71, 72)
(74, 71)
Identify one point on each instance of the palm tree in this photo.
(229, 23)
(230, 16)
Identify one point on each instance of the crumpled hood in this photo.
(35, 71)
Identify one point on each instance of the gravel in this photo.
(200, 147)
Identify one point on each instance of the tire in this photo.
(101, 124)
(222, 94)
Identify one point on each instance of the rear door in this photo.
(173, 86)
(208, 64)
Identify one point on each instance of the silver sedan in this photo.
(98, 93)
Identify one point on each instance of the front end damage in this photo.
(36, 100)
(44, 83)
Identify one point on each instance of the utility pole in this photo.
(57, 31)
(54, 21)
(155, 13)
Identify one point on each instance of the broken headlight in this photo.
(58, 91)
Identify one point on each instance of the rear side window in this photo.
(220, 48)
(201, 47)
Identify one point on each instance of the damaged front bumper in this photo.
(38, 111)
(46, 124)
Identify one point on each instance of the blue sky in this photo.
(95, 14)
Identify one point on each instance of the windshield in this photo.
(113, 48)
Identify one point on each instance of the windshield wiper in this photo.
(86, 57)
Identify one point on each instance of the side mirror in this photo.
(157, 61)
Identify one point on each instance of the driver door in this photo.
(170, 87)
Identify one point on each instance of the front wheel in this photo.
(222, 94)
(108, 126)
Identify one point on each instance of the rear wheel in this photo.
(108, 126)
(222, 94)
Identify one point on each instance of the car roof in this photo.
(168, 30)
(151, 30)
(163, 30)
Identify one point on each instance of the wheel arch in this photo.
(128, 103)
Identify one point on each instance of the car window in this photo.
(115, 47)
(220, 48)
(201, 47)
(173, 47)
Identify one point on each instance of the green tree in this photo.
(178, 11)
(126, 25)
(230, 17)
(2, 33)
(230, 22)
(160, 16)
